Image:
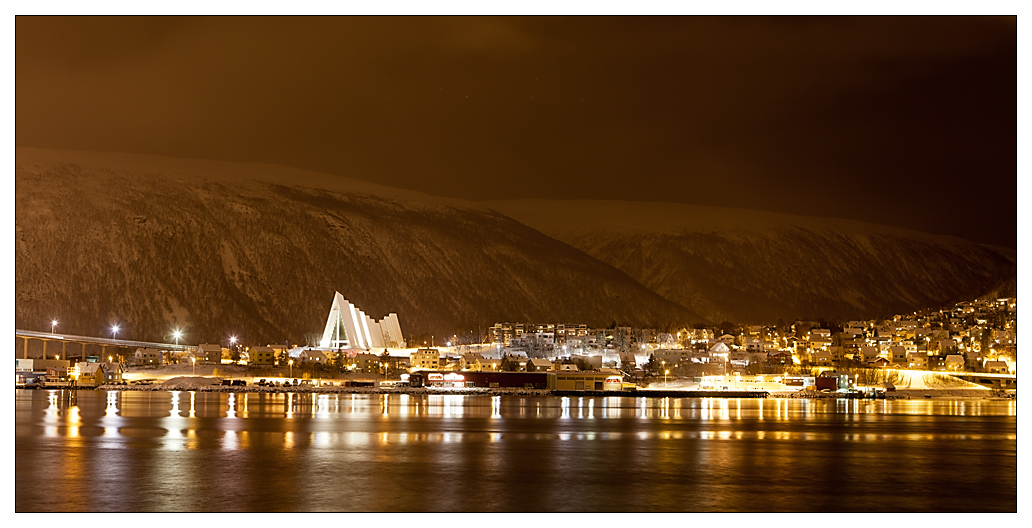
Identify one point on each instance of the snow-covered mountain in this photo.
(744, 265)
(257, 251)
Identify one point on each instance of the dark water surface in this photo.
(185, 451)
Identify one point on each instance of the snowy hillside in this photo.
(258, 250)
(742, 265)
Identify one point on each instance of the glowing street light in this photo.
(194, 361)
(232, 340)
(665, 372)
(177, 334)
(114, 331)
(291, 363)
(53, 324)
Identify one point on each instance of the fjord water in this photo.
(206, 451)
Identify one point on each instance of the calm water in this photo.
(183, 451)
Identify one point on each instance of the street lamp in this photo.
(53, 324)
(114, 331)
(291, 363)
(177, 334)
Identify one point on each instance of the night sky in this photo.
(901, 121)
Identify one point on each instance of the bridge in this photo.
(89, 340)
(989, 379)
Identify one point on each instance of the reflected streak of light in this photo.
(496, 407)
(322, 408)
(192, 411)
(230, 442)
(288, 439)
(564, 407)
(405, 404)
(112, 404)
(191, 439)
(495, 437)
(231, 412)
(50, 415)
(290, 408)
(74, 421)
(243, 406)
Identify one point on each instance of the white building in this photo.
(349, 327)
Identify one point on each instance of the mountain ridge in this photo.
(755, 266)
(156, 243)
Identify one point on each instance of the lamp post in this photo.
(291, 363)
(114, 331)
(53, 324)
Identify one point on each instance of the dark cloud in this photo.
(907, 121)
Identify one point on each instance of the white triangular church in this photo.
(349, 327)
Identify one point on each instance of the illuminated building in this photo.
(349, 327)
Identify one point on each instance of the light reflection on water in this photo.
(395, 452)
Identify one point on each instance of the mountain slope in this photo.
(742, 265)
(258, 250)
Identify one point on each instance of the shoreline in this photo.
(905, 394)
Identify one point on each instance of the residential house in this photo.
(538, 365)
(262, 355)
(208, 354)
(917, 360)
(313, 356)
(954, 362)
(369, 363)
(997, 367)
(898, 355)
(148, 356)
(425, 359)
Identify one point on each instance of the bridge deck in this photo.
(31, 334)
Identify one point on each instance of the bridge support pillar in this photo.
(25, 350)
(45, 348)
